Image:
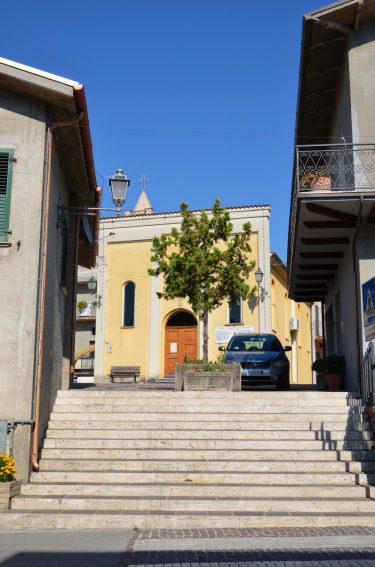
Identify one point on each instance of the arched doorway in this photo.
(181, 338)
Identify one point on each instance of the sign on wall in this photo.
(224, 334)
(368, 303)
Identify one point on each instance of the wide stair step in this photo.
(163, 459)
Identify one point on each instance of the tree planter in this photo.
(334, 381)
(7, 491)
(193, 377)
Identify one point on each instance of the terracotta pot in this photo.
(321, 184)
(333, 381)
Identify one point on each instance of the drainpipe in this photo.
(38, 366)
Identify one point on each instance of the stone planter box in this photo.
(192, 377)
(7, 491)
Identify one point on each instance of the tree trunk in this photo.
(205, 336)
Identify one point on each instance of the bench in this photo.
(124, 372)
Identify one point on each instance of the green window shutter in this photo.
(5, 187)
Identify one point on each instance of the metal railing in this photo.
(344, 167)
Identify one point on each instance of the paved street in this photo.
(291, 547)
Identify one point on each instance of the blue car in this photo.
(262, 358)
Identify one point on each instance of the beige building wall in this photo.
(283, 311)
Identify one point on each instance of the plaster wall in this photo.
(283, 309)
(342, 124)
(362, 82)
(345, 325)
(23, 129)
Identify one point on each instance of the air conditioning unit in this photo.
(294, 324)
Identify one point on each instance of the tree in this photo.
(204, 262)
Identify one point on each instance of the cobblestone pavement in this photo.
(289, 547)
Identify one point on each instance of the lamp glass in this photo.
(259, 276)
(119, 185)
(91, 284)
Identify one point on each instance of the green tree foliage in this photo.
(204, 262)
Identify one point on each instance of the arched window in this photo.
(128, 305)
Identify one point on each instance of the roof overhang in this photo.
(65, 100)
(324, 41)
(327, 225)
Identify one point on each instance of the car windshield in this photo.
(250, 343)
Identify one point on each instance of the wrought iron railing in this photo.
(332, 167)
(348, 167)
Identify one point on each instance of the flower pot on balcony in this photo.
(321, 184)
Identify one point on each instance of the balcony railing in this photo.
(349, 167)
(332, 167)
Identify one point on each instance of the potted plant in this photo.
(332, 368)
(317, 181)
(9, 486)
(82, 305)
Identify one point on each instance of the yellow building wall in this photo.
(127, 261)
(282, 310)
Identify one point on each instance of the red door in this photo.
(180, 342)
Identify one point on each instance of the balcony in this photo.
(333, 191)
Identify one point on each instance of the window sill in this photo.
(5, 244)
(128, 327)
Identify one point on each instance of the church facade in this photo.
(136, 328)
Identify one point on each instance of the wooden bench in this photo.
(124, 372)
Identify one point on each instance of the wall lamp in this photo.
(259, 278)
(119, 184)
(91, 284)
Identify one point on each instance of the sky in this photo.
(199, 96)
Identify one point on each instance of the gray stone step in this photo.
(204, 455)
(194, 490)
(178, 520)
(108, 426)
(245, 505)
(202, 466)
(164, 459)
(109, 477)
(227, 417)
(207, 445)
(211, 434)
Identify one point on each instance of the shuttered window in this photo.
(5, 186)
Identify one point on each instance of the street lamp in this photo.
(259, 278)
(119, 185)
(91, 284)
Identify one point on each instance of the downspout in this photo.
(38, 366)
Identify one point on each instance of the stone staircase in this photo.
(160, 459)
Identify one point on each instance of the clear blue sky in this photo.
(198, 95)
